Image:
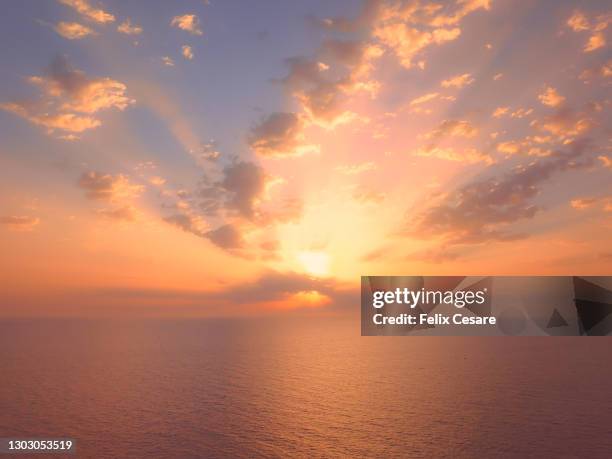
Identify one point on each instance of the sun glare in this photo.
(316, 263)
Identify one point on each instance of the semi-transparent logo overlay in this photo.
(497, 305)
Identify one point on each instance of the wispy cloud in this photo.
(73, 30)
(84, 8)
(19, 222)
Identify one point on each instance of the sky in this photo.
(226, 158)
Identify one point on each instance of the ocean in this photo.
(193, 388)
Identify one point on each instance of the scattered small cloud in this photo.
(453, 128)
(126, 27)
(187, 52)
(596, 27)
(468, 155)
(458, 81)
(187, 22)
(551, 97)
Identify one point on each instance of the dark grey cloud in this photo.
(277, 135)
(485, 209)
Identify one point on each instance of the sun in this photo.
(316, 263)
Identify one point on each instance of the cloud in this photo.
(227, 237)
(551, 97)
(19, 222)
(323, 91)
(565, 124)
(124, 213)
(606, 161)
(86, 10)
(187, 52)
(188, 223)
(500, 111)
(234, 202)
(458, 81)
(485, 209)
(354, 169)
(407, 42)
(530, 146)
(269, 290)
(187, 22)
(244, 183)
(68, 122)
(424, 98)
(434, 255)
(73, 30)
(453, 128)
(126, 27)
(598, 71)
(157, 181)
(70, 99)
(605, 202)
(596, 41)
(468, 155)
(107, 187)
(167, 61)
(583, 203)
(409, 28)
(280, 134)
(364, 195)
(579, 22)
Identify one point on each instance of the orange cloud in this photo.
(578, 22)
(354, 169)
(469, 155)
(107, 187)
(19, 222)
(408, 29)
(187, 52)
(187, 22)
(458, 81)
(551, 97)
(590, 202)
(126, 27)
(73, 30)
(70, 99)
(424, 98)
(453, 128)
(86, 10)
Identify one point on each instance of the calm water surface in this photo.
(310, 388)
